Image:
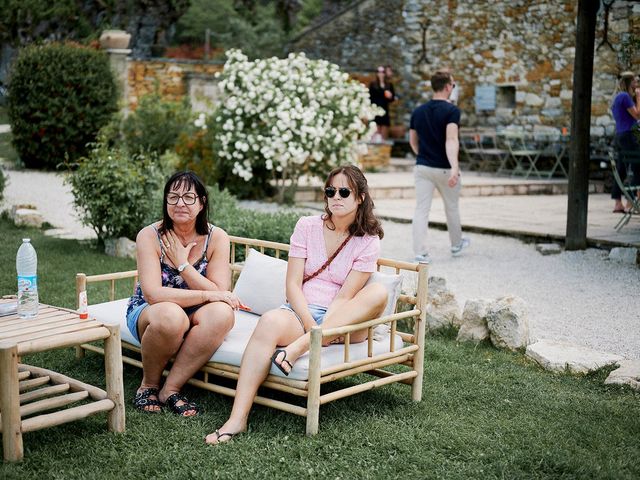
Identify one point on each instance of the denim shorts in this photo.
(317, 312)
(134, 315)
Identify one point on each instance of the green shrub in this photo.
(155, 125)
(242, 222)
(3, 183)
(117, 193)
(59, 98)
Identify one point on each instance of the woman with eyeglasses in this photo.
(331, 257)
(382, 93)
(182, 306)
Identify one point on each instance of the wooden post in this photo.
(113, 375)
(419, 331)
(10, 404)
(578, 201)
(313, 396)
(81, 285)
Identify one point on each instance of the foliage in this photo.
(117, 193)
(242, 222)
(59, 98)
(255, 30)
(3, 183)
(155, 125)
(290, 117)
(195, 150)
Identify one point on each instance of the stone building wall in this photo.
(523, 49)
(173, 80)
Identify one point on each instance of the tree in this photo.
(578, 201)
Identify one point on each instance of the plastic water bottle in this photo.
(27, 265)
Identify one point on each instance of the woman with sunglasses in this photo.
(182, 306)
(330, 259)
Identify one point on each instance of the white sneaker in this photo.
(457, 250)
(424, 258)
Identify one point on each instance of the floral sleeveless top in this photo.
(170, 275)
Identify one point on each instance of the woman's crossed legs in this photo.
(281, 327)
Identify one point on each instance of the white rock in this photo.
(533, 100)
(508, 323)
(561, 356)
(548, 248)
(474, 321)
(442, 308)
(27, 217)
(628, 373)
(120, 247)
(552, 102)
(629, 256)
(566, 94)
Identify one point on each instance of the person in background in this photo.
(382, 93)
(182, 306)
(626, 113)
(331, 258)
(433, 137)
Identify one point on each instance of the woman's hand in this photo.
(174, 250)
(229, 298)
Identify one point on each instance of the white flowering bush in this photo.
(288, 117)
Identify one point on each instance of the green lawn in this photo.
(484, 414)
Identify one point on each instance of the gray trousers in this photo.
(427, 179)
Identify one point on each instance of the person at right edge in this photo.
(626, 112)
(433, 136)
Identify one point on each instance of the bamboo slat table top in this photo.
(51, 327)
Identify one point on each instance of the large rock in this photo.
(630, 256)
(26, 216)
(442, 308)
(474, 321)
(120, 247)
(561, 356)
(628, 373)
(508, 323)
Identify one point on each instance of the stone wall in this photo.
(173, 80)
(524, 49)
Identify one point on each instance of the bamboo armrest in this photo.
(111, 276)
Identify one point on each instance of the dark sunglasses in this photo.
(330, 192)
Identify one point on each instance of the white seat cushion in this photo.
(231, 350)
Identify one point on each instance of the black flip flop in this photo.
(284, 359)
(219, 435)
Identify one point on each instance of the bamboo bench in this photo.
(386, 346)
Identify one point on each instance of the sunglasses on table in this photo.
(330, 192)
(187, 198)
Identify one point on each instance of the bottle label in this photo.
(26, 283)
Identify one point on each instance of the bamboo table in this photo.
(29, 391)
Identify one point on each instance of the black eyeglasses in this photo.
(187, 198)
(344, 192)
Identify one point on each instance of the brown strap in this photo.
(306, 278)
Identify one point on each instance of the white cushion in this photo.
(231, 350)
(262, 282)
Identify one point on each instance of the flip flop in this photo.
(619, 210)
(219, 435)
(284, 359)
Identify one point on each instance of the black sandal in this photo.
(220, 434)
(172, 404)
(274, 357)
(142, 401)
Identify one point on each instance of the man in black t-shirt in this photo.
(434, 139)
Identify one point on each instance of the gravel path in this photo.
(580, 297)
